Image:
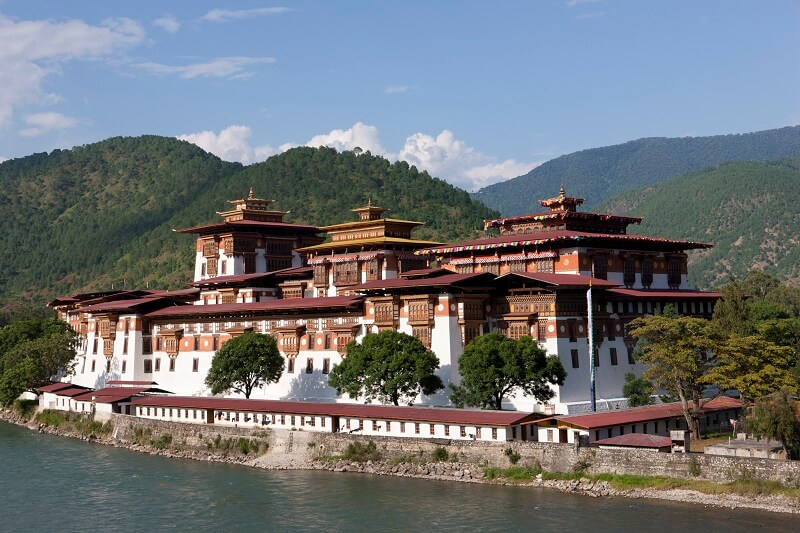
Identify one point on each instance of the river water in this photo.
(50, 483)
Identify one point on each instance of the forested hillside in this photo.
(102, 214)
(601, 173)
(748, 210)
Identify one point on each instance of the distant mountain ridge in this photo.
(748, 210)
(102, 215)
(599, 174)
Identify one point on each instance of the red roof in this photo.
(561, 215)
(645, 414)
(293, 304)
(560, 236)
(250, 277)
(377, 412)
(563, 280)
(123, 305)
(124, 382)
(437, 281)
(72, 391)
(115, 394)
(53, 387)
(663, 294)
(636, 440)
(250, 224)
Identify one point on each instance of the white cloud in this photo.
(2, 159)
(396, 89)
(41, 123)
(442, 156)
(573, 3)
(168, 23)
(220, 67)
(452, 160)
(230, 144)
(360, 135)
(33, 49)
(227, 15)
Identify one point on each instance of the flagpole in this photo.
(590, 331)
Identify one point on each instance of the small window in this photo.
(631, 360)
(446, 430)
(431, 429)
(576, 363)
(158, 364)
(171, 364)
(148, 367)
(613, 353)
(108, 367)
(374, 425)
(124, 366)
(463, 431)
(494, 433)
(416, 428)
(309, 365)
(326, 366)
(290, 365)
(93, 362)
(402, 427)
(195, 364)
(125, 346)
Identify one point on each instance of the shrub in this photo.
(358, 452)
(513, 457)
(25, 408)
(51, 418)
(244, 445)
(163, 441)
(454, 457)
(439, 454)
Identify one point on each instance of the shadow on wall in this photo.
(313, 386)
(441, 398)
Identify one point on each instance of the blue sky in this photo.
(474, 92)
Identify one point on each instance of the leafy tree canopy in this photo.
(494, 366)
(776, 417)
(245, 363)
(638, 391)
(676, 350)
(389, 367)
(32, 352)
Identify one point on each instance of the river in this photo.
(50, 483)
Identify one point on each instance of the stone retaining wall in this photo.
(308, 446)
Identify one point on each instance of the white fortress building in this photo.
(255, 272)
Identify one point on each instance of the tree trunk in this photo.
(498, 402)
(395, 399)
(687, 413)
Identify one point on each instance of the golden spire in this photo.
(251, 193)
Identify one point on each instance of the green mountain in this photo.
(748, 210)
(601, 173)
(102, 214)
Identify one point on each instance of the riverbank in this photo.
(298, 451)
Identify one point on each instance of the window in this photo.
(611, 327)
(596, 358)
(171, 364)
(402, 427)
(108, 367)
(513, 432)
(290, 365)
(309, 365)
(124, 366)
(292, 420)
(158, 364)
(576, 363)
(446, 430)
(572, 328)
(416, 428)
(647, 272)
(494, 433)
(148, 367)
(124, 346)
(147, 345)
(388, 426)
(374, 425)
(431, 429)
(629, 271)
(322, 421)
(674, 273)
(613, 353)
(463, 431)
(94, 346)
(600, 267)
(423, 334)
(195, 364)
(223, 267)
(631, 360)
(326, 366)
(328, 338)
(320, 275)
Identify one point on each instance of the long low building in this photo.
(378, 420)
(715, 414)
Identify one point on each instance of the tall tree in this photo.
(389, 367)
(676, 350)
(732, 314)
(244, 363)
(494, 366)
(775, 417)
(31, 363)
(753, 366)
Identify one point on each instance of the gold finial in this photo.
(369, 202)
(251, 193)
(561, 191)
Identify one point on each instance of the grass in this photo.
(746, 485)
(360, 453)
(73, 423)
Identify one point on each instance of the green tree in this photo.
(676, 351)
(638, 391)
(389, 367)
(245, 363)
(732, 314)
(31, 363)
(494, 366)
(775, 417)
(753, 366)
